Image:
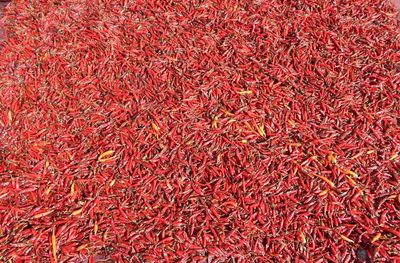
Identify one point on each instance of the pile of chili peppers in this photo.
(200, 131)
(3, 4)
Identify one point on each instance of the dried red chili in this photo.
(243, 131)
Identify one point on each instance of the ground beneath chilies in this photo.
(223, 131)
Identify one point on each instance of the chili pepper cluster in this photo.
(200, 131)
